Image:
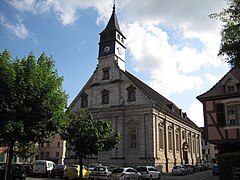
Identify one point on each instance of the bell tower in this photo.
(112, 42)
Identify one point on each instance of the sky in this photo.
(171, 45)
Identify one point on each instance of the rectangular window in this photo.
(233, 114)
(84, 102)
(160, 138)
(177, 142)
(57, 154)
(133, 137)
(220, 115)
(183, 135)
(170, 140)
(131, 95)
(105, 96)
(105, 74)
(47, 154)
(230, 88)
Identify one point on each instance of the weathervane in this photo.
(114, 5)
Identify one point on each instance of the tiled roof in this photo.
(158, 98)
(218, 89)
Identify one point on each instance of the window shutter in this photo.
(220, 115)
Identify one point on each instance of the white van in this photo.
(43, 168)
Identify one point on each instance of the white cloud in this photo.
(212, 78)
(195, 113)
(67, 11)
(163, 37)
(33, 6)
(19, 29)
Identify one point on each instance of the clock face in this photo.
(107, 49)
(119, 49)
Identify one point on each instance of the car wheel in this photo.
(150, 177)
(127, 178)
(159, 177)
(140, 178)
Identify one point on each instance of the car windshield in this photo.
(118, 170)
(100, 168)
(72, 166)
(176, 167)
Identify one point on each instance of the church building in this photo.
(154, 131)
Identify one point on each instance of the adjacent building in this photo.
(54, 150)
(209, 151)
(154, 131)
(221, 107)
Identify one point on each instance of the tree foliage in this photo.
(32, 102)
(230, 42)
(87, 136)
(25, 150)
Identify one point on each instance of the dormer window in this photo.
(131, 93)
(105, 73)
(105, 96)
(230, 86)
(84, 100)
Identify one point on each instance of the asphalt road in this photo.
(205, 175)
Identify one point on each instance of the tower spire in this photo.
(114, 6)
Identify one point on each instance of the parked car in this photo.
(18, 171)
(91, 166)
(215, 169)
(179, 170)
(101, 172)
(73, 172)
(58, 170)
(149, 172)
(125, 173)
(188, 168)
(29, 169)
(43, 168)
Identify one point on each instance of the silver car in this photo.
(179, 170)
(100, 172)
(149, 172)
(125, 173)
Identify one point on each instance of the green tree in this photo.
(32, 102)
(25, 150)
(230, 42)
(87, 136)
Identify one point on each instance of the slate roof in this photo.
(112, 25)
(218, 91)
(158, 98)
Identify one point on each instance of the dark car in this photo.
(215, 169)
(58, 170)
(18, 171)
(29, 169)
(189, 168)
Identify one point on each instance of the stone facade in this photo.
(154, 131)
